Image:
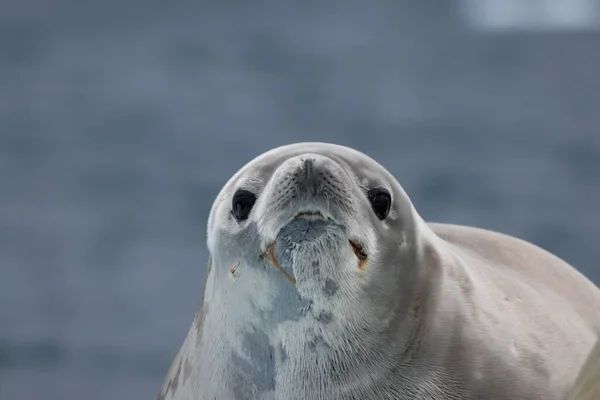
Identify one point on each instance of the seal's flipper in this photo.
(587, 385)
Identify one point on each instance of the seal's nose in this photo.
(311, 184)
(309, 177)
(311, 172)
(308, 166)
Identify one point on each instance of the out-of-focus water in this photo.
(120, 122)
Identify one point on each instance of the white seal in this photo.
(325, 283)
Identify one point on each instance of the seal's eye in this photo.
(241, 204)
(381, 201)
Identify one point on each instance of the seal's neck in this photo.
(331, 338)
(332, 353)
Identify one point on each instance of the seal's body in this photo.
(325, 283)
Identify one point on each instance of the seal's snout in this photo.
(308, 209)
(308, 166)
(314, 173)
(311, 182)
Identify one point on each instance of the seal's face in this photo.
(312, 248)
(325, 219)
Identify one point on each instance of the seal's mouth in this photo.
(357, 248)
(310, 215)
(270, 256)
(360, 253)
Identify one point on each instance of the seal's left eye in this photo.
(381, 201)
(242, 203)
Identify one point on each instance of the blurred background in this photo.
(121, 120)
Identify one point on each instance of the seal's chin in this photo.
(306, 228)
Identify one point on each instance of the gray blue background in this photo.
(121, 120)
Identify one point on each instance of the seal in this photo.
(324, 282)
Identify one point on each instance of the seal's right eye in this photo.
(242, 203)
(381, 201)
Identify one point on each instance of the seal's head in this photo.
(314, 251)
(311, 229)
